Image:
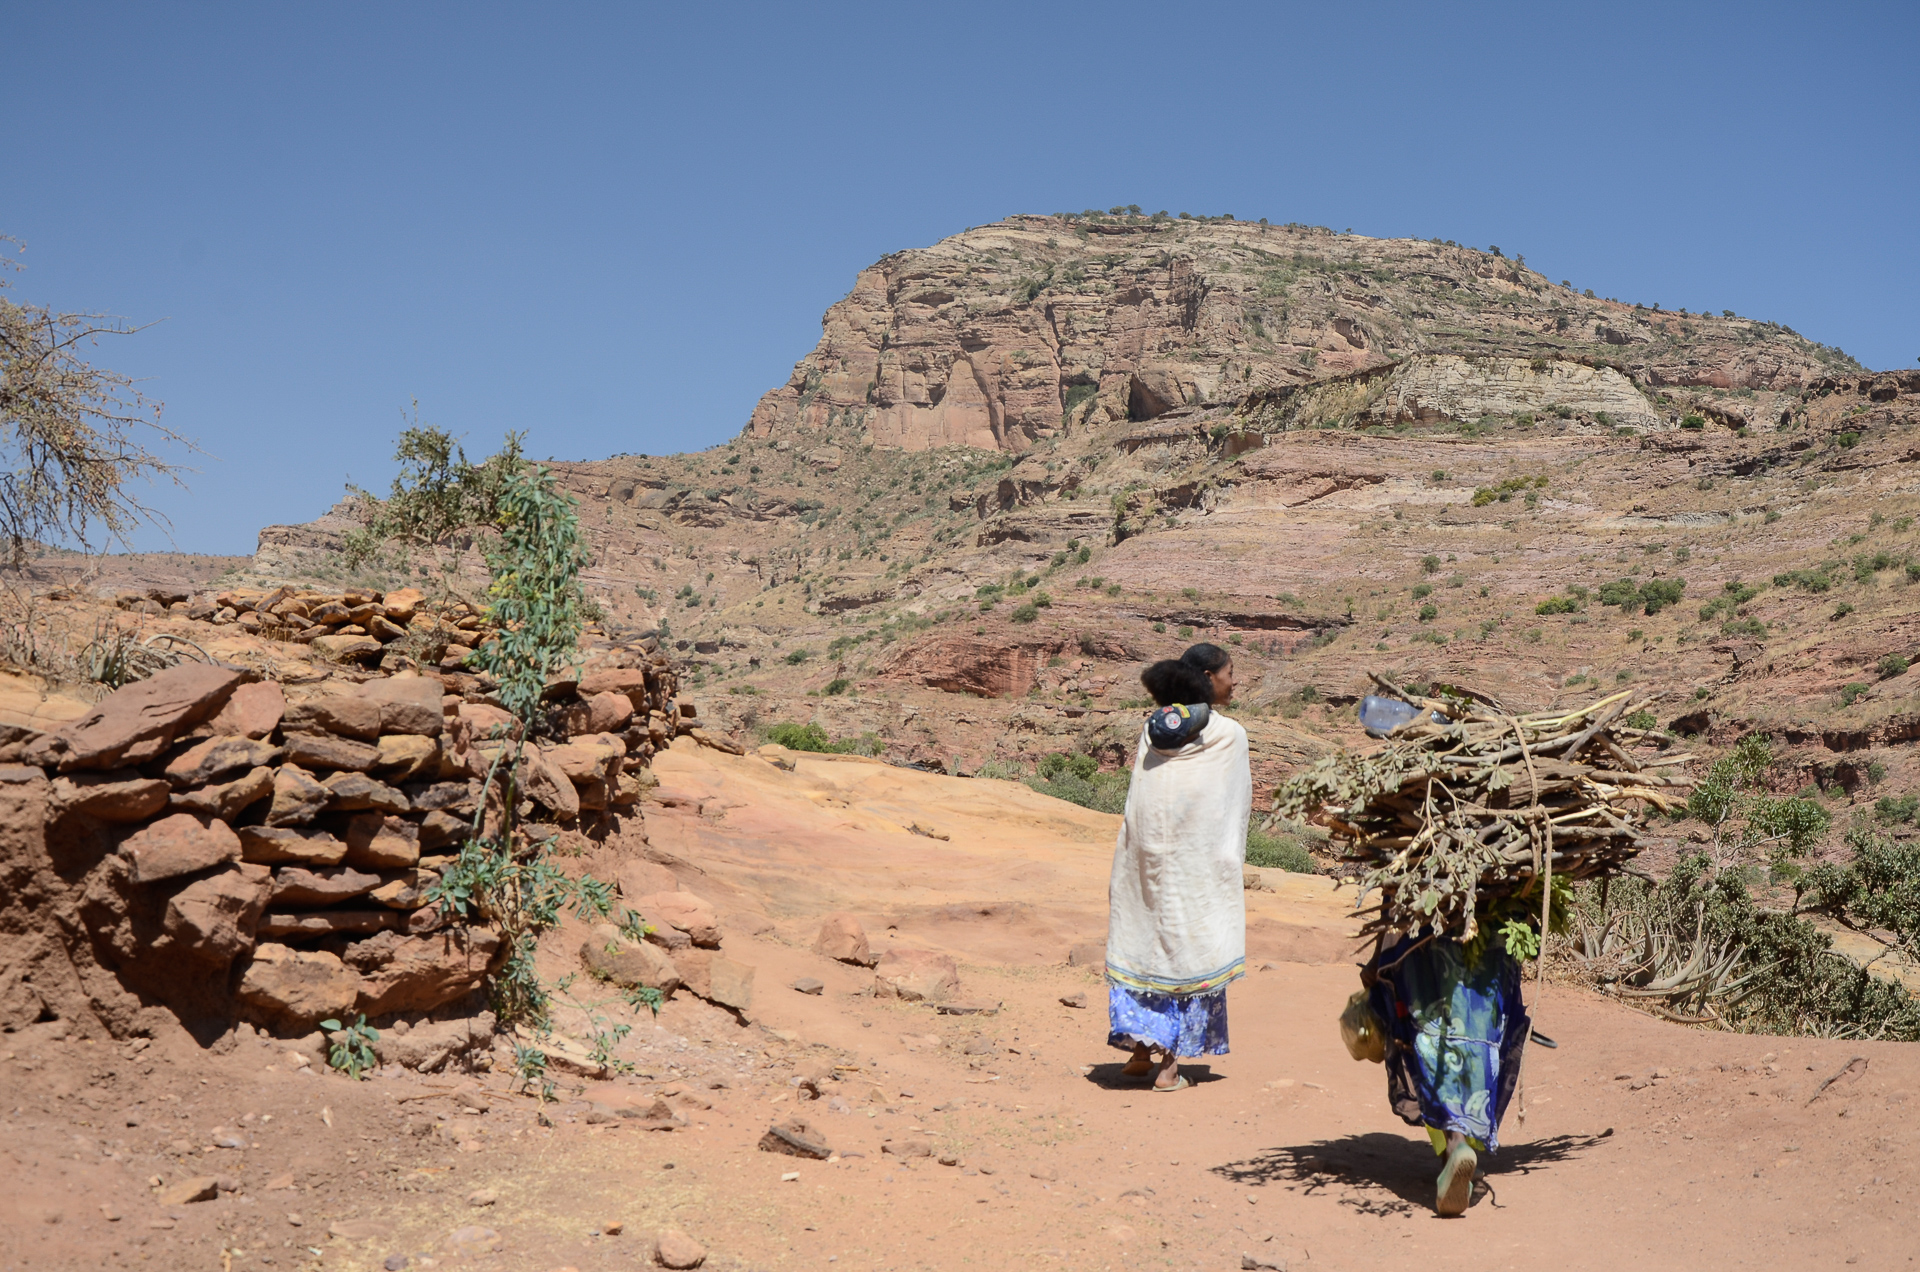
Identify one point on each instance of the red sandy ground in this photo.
(1283, 1150)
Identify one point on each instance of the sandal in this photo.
(1137, 1068)
(1179, 1084)
(1454, 1191)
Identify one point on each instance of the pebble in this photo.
(395, 1262)
(810, 985)
(1045, 1173)
(482, 1197)
(1073, 1000)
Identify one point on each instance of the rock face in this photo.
(842, 938)
(1005, 334)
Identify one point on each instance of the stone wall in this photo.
(223, 846)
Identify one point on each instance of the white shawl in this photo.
(1178, 915)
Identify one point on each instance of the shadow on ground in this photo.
(1381, 1173)
(1109, 1078)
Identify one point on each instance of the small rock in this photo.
(294, 1220)
(1073, 1000)
(673, 1248)
(1255, 1264)
(968, 1007)
(808, 985)
(109, 1213)
(356, 1229)
(473, 1239)
(395, 1262)
(482, 1197)
(911, 1146)
(949, 1158)
(1046, 1174)
(613, 1229)
(790, 1177)
(841, 937)
(795, 1138)
(186, 1191)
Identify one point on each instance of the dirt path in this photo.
(1710, 1151)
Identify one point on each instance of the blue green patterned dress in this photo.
(1456, 1031)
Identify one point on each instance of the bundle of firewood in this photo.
(1453, 815)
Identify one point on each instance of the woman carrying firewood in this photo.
(1456, 1028)
(1177, 931)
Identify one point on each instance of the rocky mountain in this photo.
(1024, 460)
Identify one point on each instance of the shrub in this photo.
(1657, 594)
(1889, 811)
(1557, 605)
(1641, 719)
(1422, 590)
(799, 737)
(1025, 613)
(1694, 422)
(1744, 627)
(1429, 612)
(1815, 580)
(1185, 633)
(1893, 665)
(837, 686)
(1429, 564)
(1840, 611)
(1848, 441)
(1850, 694)
(1277, 852)
(797, 656)
(1077, 779)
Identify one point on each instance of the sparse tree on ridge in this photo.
(73, 436)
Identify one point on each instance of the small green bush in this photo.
(1429, 612)
(1850, 694)
(837, 686)
(1641, 719)
(1277, 852)
(1694, 422)
(1744, 627)
(1893, 665)
(1429, 564)
(799, 737)
(1557, 605)
(797, 656)
(1422, 590)
(1840, 611)
(1848, 441)
(1889, 811)
(1025, 613)
(1818, 579)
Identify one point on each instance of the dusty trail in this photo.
(1708, 1154)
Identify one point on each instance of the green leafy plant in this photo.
(1428, 613)
(1557, 605)
(1025, 613)
(352, 1050)
(1893, 665)
(1852, 693)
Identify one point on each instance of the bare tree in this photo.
(71, 434)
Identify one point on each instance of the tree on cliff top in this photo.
(70, 433)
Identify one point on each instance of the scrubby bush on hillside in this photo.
(1077, 779)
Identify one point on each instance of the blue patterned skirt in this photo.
(1188, 1025)
(1455, 1032)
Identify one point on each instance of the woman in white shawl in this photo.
(1177, 929)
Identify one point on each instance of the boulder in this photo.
(403, 604)
(347, 648)
(138, 722)
(610, 955)
(178, 844)
(419, 973)
(428, 1045)
(347, 715)
(629, 682)
(407, 704)
(356, 792)
(691, 914)
(480, 722)
(549, 787)
(608, 712)
(916, 976)
(297, 797)
(292, 991)
(842, 938)
(252, 711)
(295, 886)
(184, 1192)
(275, 844)
(715, 977)
(228, 799)
(439, 829)
(120, 796)
(404, 756)
(330, 751)
(216, 757)
(405, 891)
(380, 842)
(214, 918)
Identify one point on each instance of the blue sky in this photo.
(616, 226)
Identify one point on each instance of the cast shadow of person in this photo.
(1109, 1078)
(1381, 1173)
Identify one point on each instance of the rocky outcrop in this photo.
(220, 846)
(1015, 331)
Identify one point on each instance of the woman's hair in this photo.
(1171, 681)
(1205, 657)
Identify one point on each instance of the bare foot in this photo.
(1168, 1078)
(1140, 1064)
